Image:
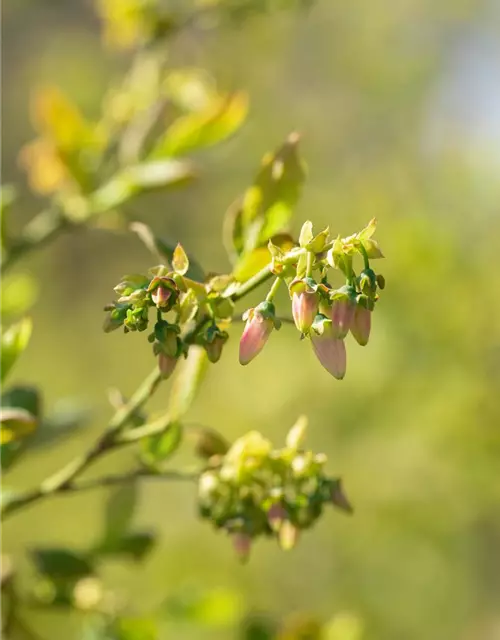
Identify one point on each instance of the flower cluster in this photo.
(255, 490)
(321, 312)
(180, 303)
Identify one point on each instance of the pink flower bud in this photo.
(342, 315)
(276, 516)
(330, 350)
(255, 335)
(166, 365)
(361, 325)
(160, 296)
(304, 309)
(242, 544)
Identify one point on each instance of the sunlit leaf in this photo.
(252, 262)
(138, 179)
(16, 423)
(14, 342)
(160, 447)
(188, 377)
(202, 129)
(306, 234)
(180, 261)
(55, 116)
(7, 197)
(267, 206)
(135, 629)
(164, 251)
(19, 293)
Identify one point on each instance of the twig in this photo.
(109, 440)
(43, 228)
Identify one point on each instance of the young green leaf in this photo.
(134, 180)
(14, 342)
(120, 510)
(15, 424)
(161, 447)
(180, 261)
(187, 381)
(195, 131)
(267, 206)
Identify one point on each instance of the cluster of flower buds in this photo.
(187, 312)
(322, 313)
(254, 490)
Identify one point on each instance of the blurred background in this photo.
(399, 108)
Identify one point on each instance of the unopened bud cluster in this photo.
(321, 312)
(255, 490)
(179, 303)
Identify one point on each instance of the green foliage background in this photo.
(397, 124)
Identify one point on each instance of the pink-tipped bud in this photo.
(260, 323)
(329, 349)
(304, 309)
(276, 515)
(342, 315)
(361, 325)
(242, 544)
(160, 296)
(166, 365)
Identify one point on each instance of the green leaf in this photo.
(15, 424)
(372, 249)
(159, 448)
(8, 196)
(134, 545)
(180, 261)
(187, 381)
(198, 130)
(306, 234)
(120, 510)
(62, 563)
(251, 263)
(22, 399)
(138, 179)
(164, 251)
(267, 206)
(135, 629)
(14, 342)
(19, 293)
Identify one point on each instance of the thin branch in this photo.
(41, 230)
(108, 441)
(128, 476)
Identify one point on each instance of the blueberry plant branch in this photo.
(248, 488)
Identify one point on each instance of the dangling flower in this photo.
(342, 311)
(304, 304)
(166, 365)
(164, 292)
(329, 349)
(260, 323)
(361, 324)
(214, 341)
(242, 544)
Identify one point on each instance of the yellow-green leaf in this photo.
(16, 423)
(14, 342)
(199, 130)
(188, 377)
(180, 260)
